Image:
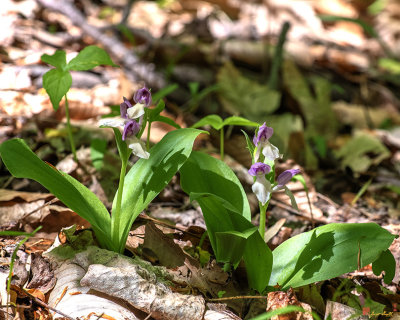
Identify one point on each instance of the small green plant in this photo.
(217, 123)
(58, 81)
(14, 254)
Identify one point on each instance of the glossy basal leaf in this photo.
(149, 176)
(230, 245)
(327, 252)
(213, 120)
(58, 59)
(167, 120)
(57, 83)
(221, 217)
(89, 58)
(225, 208)
(387, 263)
(23, 163)
(205, 174)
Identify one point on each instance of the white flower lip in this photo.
(270, 152)
(136, 111)
(138, 148)
(112, 122)
(262, 189)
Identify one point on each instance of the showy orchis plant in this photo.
(131, 121)
(323, 253)
(144, 181)
(264, 171)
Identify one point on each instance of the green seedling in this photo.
(217, 123)
(14, 254)
(58, 81)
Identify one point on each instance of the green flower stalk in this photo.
(131, 120)
(264, 183)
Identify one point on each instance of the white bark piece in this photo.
(140, 288)
(70, 297)
(88, 284)
(339, 311)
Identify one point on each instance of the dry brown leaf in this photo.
(281, 299)
(168, 252)
(9, 195)
(43, 279)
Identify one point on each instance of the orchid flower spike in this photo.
(260, 140)
(128, 121)
(261, 187)
(285, 177)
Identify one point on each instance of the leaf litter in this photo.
(17, 103)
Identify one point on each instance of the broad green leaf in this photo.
(239, 121)
(215, 187)
(89, 58)
(358, 152)
(213, 120)
(241, 95)
(167, 120)
(149, 176)
(23, 163)
(258, 259)
(327, 252)
(205, 174)
(57, 83)
(387, 263)
(156, 111)
(58, 59)
(231, 244)
(221, 217)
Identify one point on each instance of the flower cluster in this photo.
(131, 121)
(262, 186)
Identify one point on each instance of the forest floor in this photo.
(332, 99)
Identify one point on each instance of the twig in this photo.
(330, 201)
(39, 208)
(45, 305)
(130, 61)
(294, 211)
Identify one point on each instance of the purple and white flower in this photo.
(128, 121)
(285, 177)
(261, 187)
(261, 141)
(143, 96)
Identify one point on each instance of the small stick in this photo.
(236, 298)
(45, 305)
